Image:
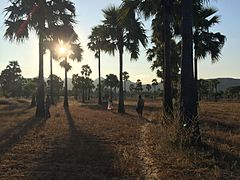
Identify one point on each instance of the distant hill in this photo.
(227, 82)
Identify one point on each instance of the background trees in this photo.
(57, 83)
(111, 81)
(83, 85)
(11, 80)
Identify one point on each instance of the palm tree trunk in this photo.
(121, 108)
(51, 79)
(40, 111)
(188, 85)
(65, 103)
(99, 80)
(167, 98)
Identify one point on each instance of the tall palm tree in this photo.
(97, 43)
(67, 67)
(23, 16)
(188, 106)
(162, 13)
(69, 43)
(124, 30)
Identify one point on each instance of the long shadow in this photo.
(81, 156)
(221, 140)
(12, 136)
(12, 106)
(11, 113)
(223, 159)
(221, 126)
(93, 153)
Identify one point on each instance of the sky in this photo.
(89, 14)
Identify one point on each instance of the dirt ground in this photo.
(89, 142)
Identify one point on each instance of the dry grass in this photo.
(89, 142)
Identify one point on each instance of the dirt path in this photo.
(149, 168)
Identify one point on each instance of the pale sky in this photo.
(89, 14)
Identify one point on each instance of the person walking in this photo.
(110, 103)
(140, 106)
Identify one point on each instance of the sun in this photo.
(62, 50)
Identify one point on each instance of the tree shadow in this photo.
(223, 159)
(13, 135)
(80, 156)
(221, 126)
(91, 152)
(8, 112)
(221, 140)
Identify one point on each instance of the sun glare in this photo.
(62, 50)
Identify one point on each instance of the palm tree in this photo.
(72, 50)
(188, 84)
(58, 33)
(112, 82)
(67, 67)
(124, 31)
(162, 11)
(96, 44)
(86, 71)
(125, 78)
(23, 16)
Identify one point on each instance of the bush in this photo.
(175, 133)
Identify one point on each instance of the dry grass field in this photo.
(89, 142)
